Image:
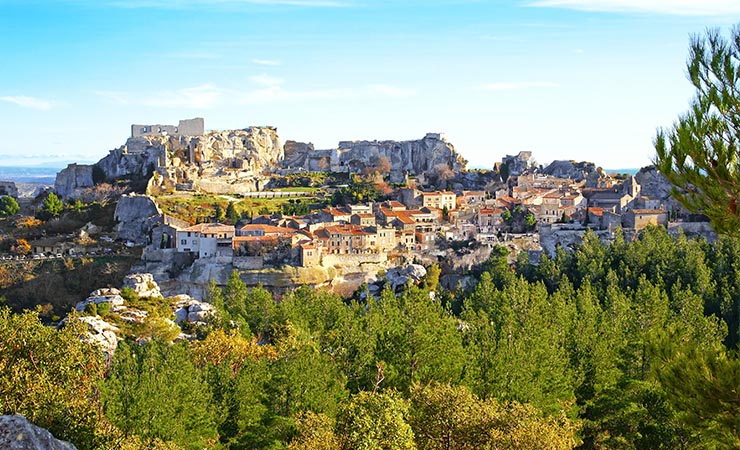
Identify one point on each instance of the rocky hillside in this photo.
(231, 161)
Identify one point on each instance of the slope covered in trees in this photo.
(614, 346)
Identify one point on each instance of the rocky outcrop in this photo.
(399, 276)
(188, 309)
(568, 237)
(72, 181)
(17, 433)
(143, 284)
(101, 333)
(135, 216)
(576, 171)
(231, 161)
(98, 296)
(653, 184)
(405, 157)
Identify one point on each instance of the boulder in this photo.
(136, 215)
(101, 333)
(143, 284)
(399, 276)
(98, 296)
(17, 433)
(187, 309)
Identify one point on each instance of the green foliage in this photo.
(153, 391)
(8, 206)
(702, 382)
(50, 377)
(699, 154)
(231, 214)
(52, 206)
(375, 421)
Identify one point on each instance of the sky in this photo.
(588, 80)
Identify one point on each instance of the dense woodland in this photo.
(628, 345)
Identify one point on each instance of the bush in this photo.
(104, 309)
(91, 308)
(129, 295)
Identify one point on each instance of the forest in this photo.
(621, 345)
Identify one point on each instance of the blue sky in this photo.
(566, 79)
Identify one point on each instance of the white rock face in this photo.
(399, 276)
(73, 180)
(412, 157)
(187, 309)
(143, 284)
(101, 333)
(17, 433)
(135, 216)
(98, 296)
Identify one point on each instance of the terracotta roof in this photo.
(648, 211)
(596, 211)
(268, 229)
(355, 230)
(491, 211)
(210, 228)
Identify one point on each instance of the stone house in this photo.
(362, 219)
(489, 218)
(641, 218)
(310, 254)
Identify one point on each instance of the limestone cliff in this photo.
(231, 161)
(576, 171)
(412, 157)
(72, 181)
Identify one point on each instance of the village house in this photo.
(362, 219)
(206, 239)
(489, 219)
(439, 200)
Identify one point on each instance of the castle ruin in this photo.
(189, 127)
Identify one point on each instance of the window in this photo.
(184, 241)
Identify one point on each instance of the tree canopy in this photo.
(699, 153)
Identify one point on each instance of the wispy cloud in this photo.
(266, 62)
(203, 96)
(28, 102)
(674, 7)
(518, 85)
(264, 89)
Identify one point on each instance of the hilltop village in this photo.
(343, 217)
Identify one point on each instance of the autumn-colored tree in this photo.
(21, 247)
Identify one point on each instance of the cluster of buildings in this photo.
(416, 220)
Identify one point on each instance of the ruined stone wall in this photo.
(73, 180)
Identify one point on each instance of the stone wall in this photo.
(189, 127)
(249, 262)
(353, 260)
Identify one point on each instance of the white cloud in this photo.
(266, 80)
(28, 102)
(266, 62)
(391, 91)
(518, 85)
(676, 7)
(203, 96)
